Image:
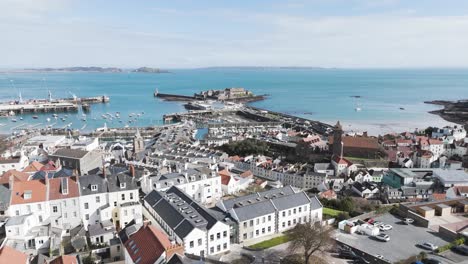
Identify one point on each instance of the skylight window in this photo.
(94, 187)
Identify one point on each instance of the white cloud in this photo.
(31, 38)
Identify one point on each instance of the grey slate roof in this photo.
(254, 210)
(17, 220)
(101, 228)
(114, 181)
(257, 197)
(293, 200)
(179, 211)
(70, 153)
(5, 195)
(88, 180)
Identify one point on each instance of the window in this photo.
(54, 209)
(98, 199)
(245, 235)
(125, 213)
(263, 230)
(269, 218)
(224, 233)
(211, 250)
(225, 246)
(74, 202)
(87, 216)
(122, 185)
(86, 206)
(284, 224)
(200, 242)
(269, 229)
(218, 248)
(123, 196)
(74, 214)
(39, 207)
(258, 221)
(28, 208)
(115, 203)
(251, 222)
(294, 221)
(289, 212)
(294, 211)
(263, 219)
(17, 212)
(191, 244)
(289, 222)
(284, 213)
(94, 187)
(300, 209)
(131, 196)
(40, 219)
(257, 232)
(211, 237)
(245, 224)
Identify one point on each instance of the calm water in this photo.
(316, 94)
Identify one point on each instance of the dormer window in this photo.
(94, 187)
(27, 195)
(122, 185)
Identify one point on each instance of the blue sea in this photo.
(318, 94)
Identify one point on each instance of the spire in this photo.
(137, 134)
(338, 126)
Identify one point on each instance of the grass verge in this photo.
(271, 242)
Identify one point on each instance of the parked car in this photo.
(462, 249)
(383, 237)
(408, 221)
(384, 227)
(428, 246)
(361, 260)
(347, 254)
(432, 261)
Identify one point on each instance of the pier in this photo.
(7, 109)
(50, 105)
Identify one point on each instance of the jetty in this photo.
(49, 105)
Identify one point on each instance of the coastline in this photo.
(451, 111)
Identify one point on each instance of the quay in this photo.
(7, 109)
(50, 105)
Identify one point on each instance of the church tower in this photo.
(337, 140)
(138, 143)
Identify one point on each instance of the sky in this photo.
(200, 33)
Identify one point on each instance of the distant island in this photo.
(93, 69)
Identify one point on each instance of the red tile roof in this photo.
(439, 196)
(151, 244)
(225, 179)
(38, 192)
(247, 174)
(65, 259)
(13, 256)
(435, 142)
(50, 166)
(33, 167)
(224, 172)
(342, 161)
(55, 188)
(358, 142)
(17, 176)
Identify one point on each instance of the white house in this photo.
(188, 222)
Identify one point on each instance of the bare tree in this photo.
(309, 238)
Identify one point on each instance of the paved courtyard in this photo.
(403, 240)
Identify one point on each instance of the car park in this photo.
(383, 237)
(428, 246)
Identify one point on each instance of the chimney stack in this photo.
(132, 170)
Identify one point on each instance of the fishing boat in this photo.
(48, 119)
(55, 116)
(13, 120)
(21, 118)
(35, 117)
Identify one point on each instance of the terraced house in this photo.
(269, 212)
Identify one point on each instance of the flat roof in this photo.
(448, 176)
(443, 206)
(426, 208)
